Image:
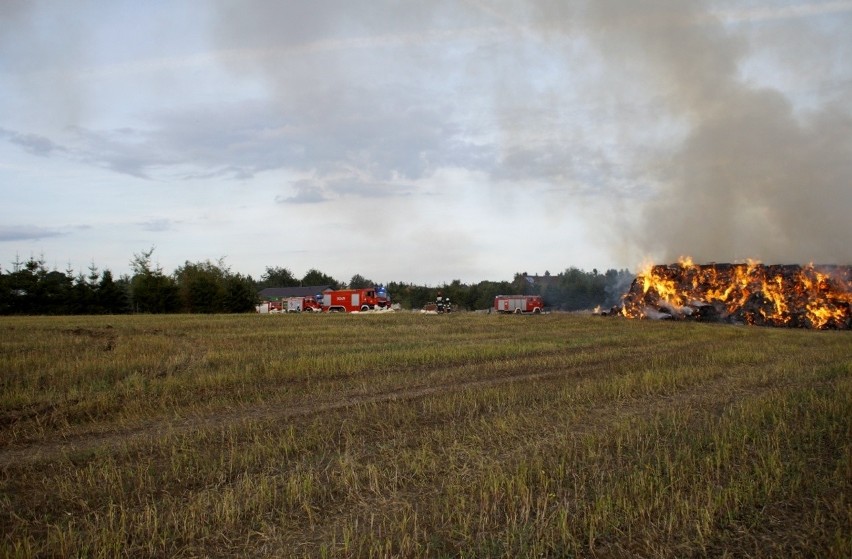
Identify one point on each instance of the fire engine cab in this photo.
(304, 304)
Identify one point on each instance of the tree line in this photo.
(571, 290)
(200, 287)
(30, 288)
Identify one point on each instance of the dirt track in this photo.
(52, 450)
(718, 395)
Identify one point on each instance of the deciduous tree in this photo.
(151, 290)
(360, 282)
(315, 277)
(277, 277)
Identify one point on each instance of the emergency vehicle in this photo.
(356, 300)
(518, 304)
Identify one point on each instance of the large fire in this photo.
(750, 293)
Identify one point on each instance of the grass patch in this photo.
(421, 436)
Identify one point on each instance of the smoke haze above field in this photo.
(426, 141)
(751, 176)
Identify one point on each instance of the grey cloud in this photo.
(293, 23)
(37, 145)
(147, 154)
(158, 225)
(108, 150)
(318, 190)
(241, 140)
(246, 139)
(33, 143)
(125, 151)
(26, 233)
(388, 110)
(39, 43)
(365, 188)
(307, 192)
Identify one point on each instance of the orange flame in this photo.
(752, 293)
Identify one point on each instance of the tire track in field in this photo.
(89, 443)
(53, 450)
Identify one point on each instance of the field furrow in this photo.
(422, 436)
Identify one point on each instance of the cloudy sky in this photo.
(425, 141)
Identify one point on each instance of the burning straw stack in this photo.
(791, 295)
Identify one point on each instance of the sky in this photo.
(425, 141)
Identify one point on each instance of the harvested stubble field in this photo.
(406, 435)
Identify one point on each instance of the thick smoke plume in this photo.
(752, 177)
(744, 171)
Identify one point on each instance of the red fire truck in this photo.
(303, 304)
(312, 304)
(356, 300)
(518, 304)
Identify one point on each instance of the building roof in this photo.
(273, 293)
(548, 279)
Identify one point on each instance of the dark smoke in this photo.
(753, 177)
(708, 162)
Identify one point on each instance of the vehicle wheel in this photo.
(364, 308)
(517, 311)
(537, 310)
